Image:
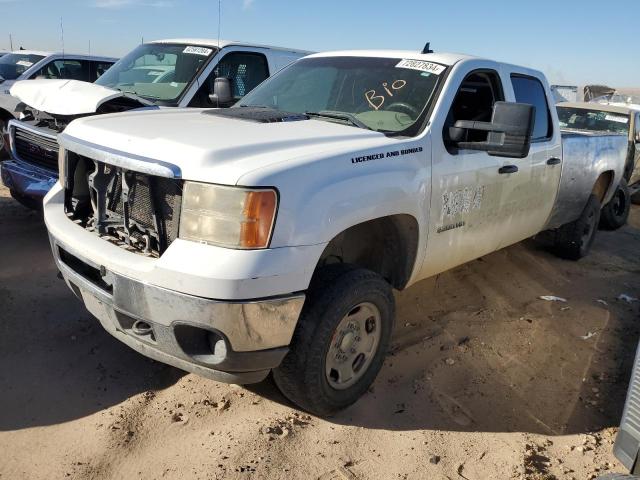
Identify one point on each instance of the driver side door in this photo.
(466, 185)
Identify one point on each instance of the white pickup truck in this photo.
(269, 236)
(24, 65)
(162, 73)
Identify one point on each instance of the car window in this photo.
(158, 72)
(593, 120)
(65, 69)
(12, 65)
(98, 69)
(385, 94)
(474, 100)
(529, 90)
(245, 70)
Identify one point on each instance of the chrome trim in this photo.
(118, 158)
(249, 325)
(13, 124)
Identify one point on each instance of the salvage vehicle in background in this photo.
(269, 236)
(166, 73)
(31, 65)
(613, 119)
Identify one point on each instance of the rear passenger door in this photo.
(529, 196)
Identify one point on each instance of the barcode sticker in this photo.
(422, 66)
(198, 51)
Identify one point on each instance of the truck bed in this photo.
(585, 156)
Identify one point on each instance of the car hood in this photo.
(196, 145)
(66, 97)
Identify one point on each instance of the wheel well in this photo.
(387, 246)
(601, 187)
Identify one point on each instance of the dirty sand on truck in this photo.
(485, 380)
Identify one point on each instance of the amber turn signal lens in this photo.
(259, 213)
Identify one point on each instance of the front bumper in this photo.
(27, 180)
(189, 332)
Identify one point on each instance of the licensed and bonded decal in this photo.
(381, 155)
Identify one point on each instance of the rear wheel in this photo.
(574, 239)
(340, 342)
(615, 213)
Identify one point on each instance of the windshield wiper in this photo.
(344, 116)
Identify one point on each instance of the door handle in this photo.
(554, 161)
(508, 169)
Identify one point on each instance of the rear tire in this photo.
(573, 240)
(348, 311)
(616, 213)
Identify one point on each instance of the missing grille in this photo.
(135, 211)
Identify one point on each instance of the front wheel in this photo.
(616, 213)
(341, 340)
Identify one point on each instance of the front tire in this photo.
(616, 213)
(341, 340)
(573, 240)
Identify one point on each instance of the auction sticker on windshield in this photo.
(24, 63)
(422, 66)
(616, 118)
(198, 51)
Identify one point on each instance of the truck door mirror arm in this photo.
(221, 96)
(510, 131)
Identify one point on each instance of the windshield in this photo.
(12, 65)
(593, 120)
(382, 94)
(157, 72)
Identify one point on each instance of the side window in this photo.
(65, 69)
(473, 101)
(98, 68)
(245, 70)
(530, 90)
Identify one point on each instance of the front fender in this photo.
(322, 197)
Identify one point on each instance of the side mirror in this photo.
(221, 92)
(1, 79)
(510, 131)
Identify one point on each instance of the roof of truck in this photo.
(443, 58)
(598, 106)
(32, 52)
(208, 42)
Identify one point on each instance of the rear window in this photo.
(593, 120)
(529, 90)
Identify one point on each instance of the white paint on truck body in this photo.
(329, 177)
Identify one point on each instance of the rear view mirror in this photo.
(221, 95)
(509, 134)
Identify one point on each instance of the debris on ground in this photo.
(552, 298)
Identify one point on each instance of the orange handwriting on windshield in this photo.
(377, 101)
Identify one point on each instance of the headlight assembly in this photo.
(232, 217)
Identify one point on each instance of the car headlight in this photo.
(231, 217)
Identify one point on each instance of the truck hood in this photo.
(195, 145)
(67, 97)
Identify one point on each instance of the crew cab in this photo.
(30, 65)
(165, 73)
(618, 119)
(269, 236)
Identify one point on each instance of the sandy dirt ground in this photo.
(484, 381)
